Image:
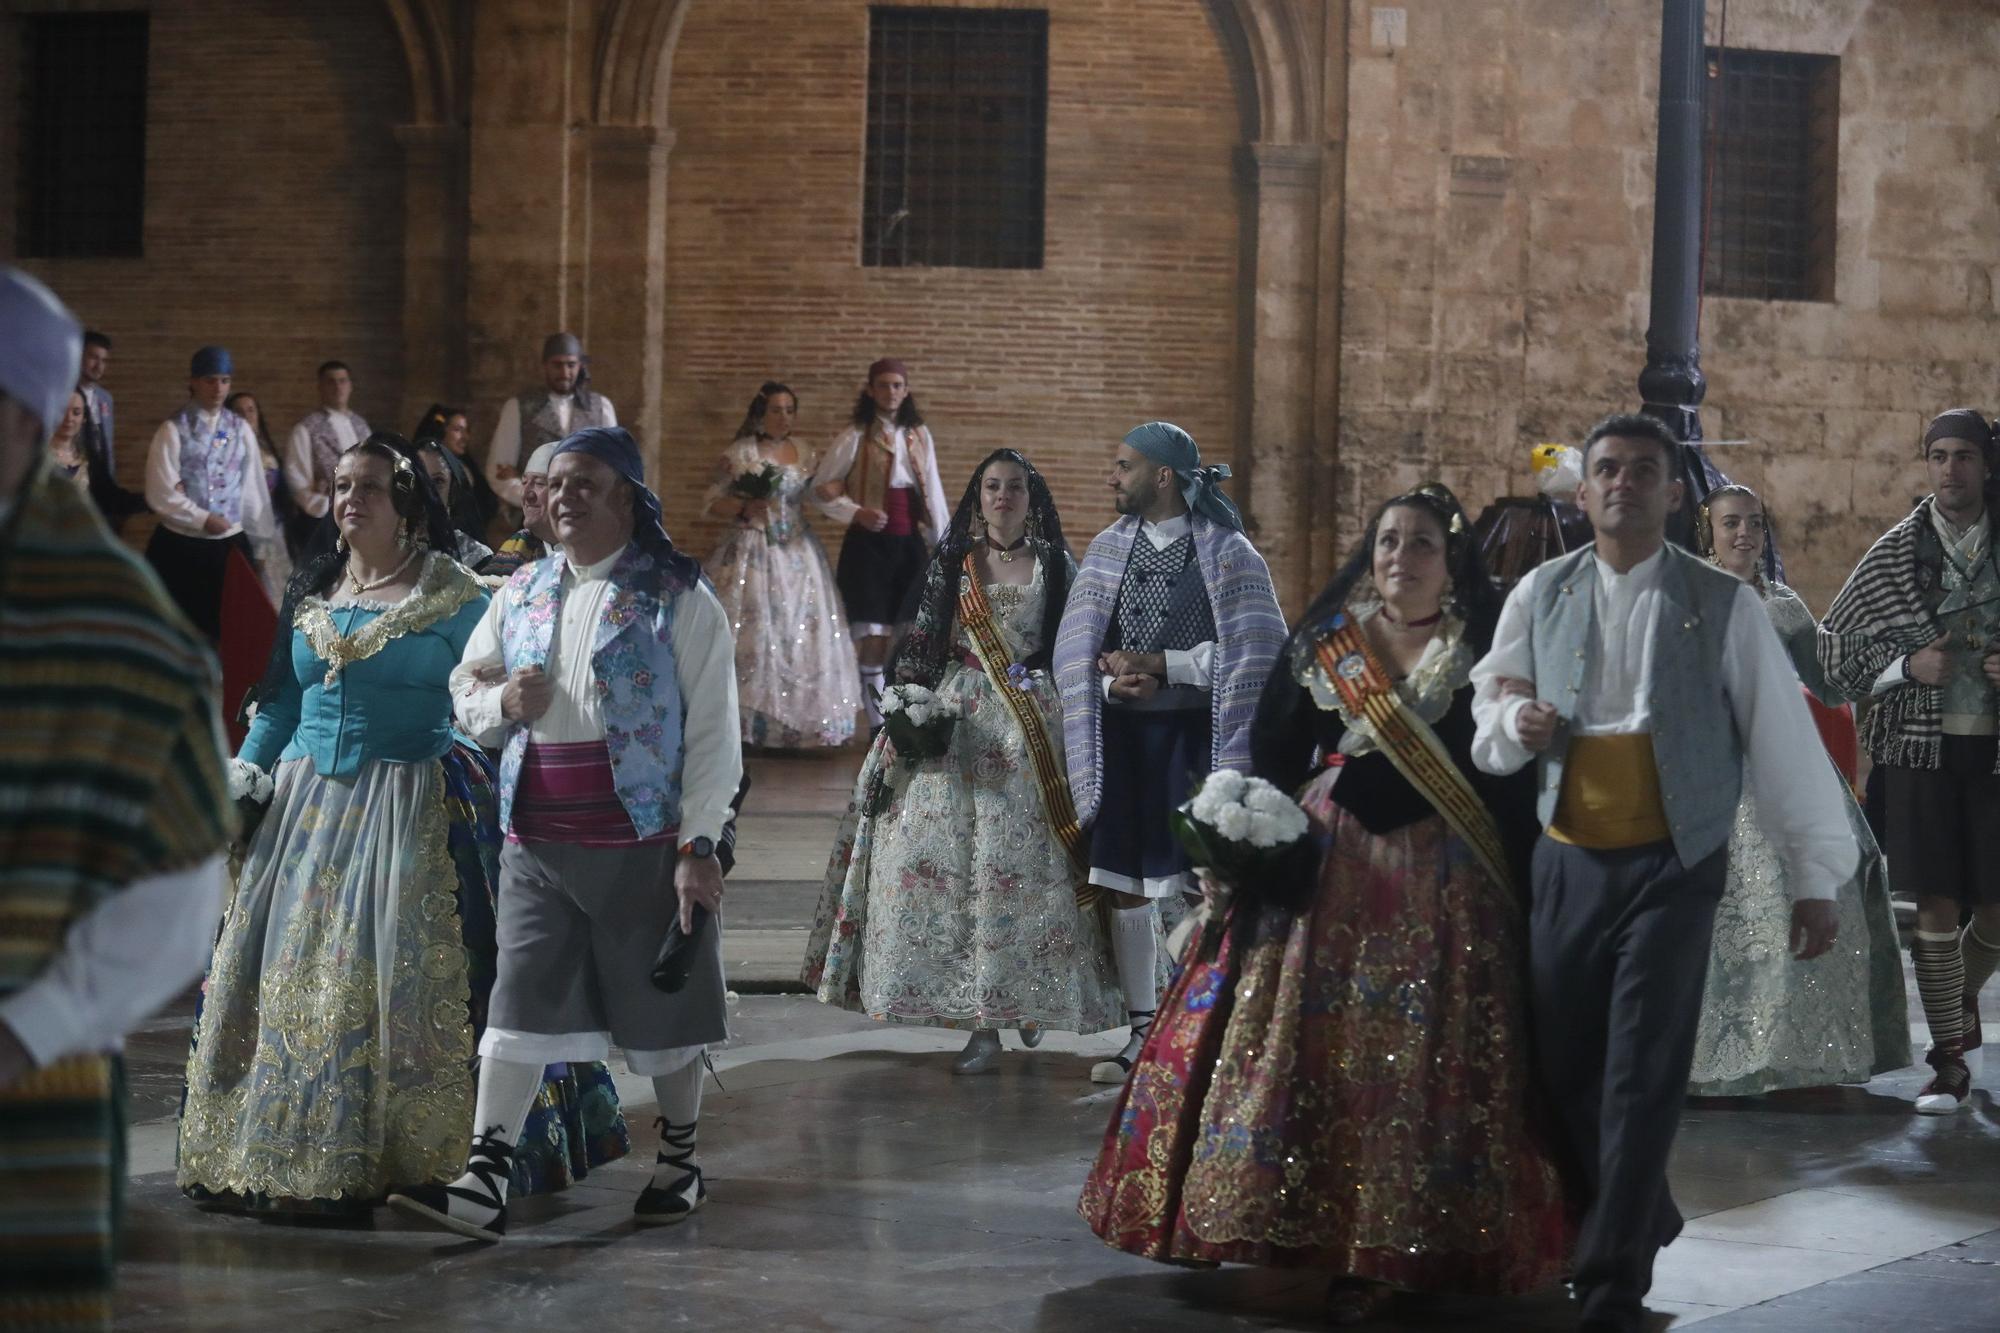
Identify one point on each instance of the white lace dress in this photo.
(797, 685)
(1769, 1021)
(953, 904)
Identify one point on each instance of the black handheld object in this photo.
(680, 948)
(678, 952)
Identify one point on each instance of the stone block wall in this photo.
(1498, 230)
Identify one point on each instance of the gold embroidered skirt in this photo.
(332, 1059)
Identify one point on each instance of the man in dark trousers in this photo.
(1646, 685)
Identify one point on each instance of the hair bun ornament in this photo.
(1439, 493)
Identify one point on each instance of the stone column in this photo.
(625, 289)
(1277, 462)
(434, 240)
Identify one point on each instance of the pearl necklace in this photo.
(357, 587)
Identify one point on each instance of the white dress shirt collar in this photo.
(1642, 575)
(1167, 531)
(584, 573)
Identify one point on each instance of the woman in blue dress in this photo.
(333, 1055)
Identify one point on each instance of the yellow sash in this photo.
(976, 614)
(1410, 743)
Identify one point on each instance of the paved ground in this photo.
(858, 1185)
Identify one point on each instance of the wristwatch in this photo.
(699, 848)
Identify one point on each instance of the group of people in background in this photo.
(1577, 849)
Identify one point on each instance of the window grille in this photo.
(83, 134)
(1773, 141)
(957, 136)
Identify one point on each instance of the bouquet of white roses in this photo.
(919, 722)
(756, 482)
(251, 788)
(1245, 833)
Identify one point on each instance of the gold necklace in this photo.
(357, 587)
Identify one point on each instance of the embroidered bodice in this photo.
(369, 679)
(1017, 614)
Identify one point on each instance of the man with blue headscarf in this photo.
(205, 480)
(1170, 629)
(606, 674)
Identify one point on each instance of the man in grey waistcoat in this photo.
(564, 404)
(1647, 686)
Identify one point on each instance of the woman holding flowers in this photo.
(952, 895)
(796, 682)
(1339, 1079)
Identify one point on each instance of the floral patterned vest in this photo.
(638, 688)
(213, 462)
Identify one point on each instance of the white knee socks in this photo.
(1136, 950)
(872, 681)
(680, 1107)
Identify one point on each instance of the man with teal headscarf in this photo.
(1171, 627)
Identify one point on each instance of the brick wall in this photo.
(1499, 222)
(1132, 317)
(274, 217)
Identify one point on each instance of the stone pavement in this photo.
(786, 831)
(856, 1184)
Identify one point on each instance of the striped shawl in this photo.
(1881, 615)
(111, 755)
(1249, 634)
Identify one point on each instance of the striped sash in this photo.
(1411, 745)
(976, 614)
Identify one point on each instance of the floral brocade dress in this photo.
(949, 900)
(797, 685)
(1350, 1088)
(333, 1047)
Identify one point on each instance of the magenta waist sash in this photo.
(566, 793)
(896, 506)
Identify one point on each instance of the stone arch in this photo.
(634, 60)
(431, 47)
(1274, 52)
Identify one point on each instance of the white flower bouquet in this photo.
(919, 723)
(758, 482)
(251, 788)
(1244, 832)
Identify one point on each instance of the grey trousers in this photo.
(1618, 951)
(579, 928)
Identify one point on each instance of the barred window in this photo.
(1773, 142)
(83, 134)
(957, 132)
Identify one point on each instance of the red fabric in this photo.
(896, 504)
(567, 793)
(1836, 733)
(249, 622)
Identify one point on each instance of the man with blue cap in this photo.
(606, 674)
(205, 480)
(114, 814)
(1171, 627)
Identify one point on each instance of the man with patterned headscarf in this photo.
(1171, 627)
(114, 812)
(1917, 630)
(563, 405)
(607, 675)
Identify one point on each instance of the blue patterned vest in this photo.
(1696, 750)
(638, 687)
(213, 462)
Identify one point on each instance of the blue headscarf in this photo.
(210, 360)
(615, 447)
(1170, 446)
